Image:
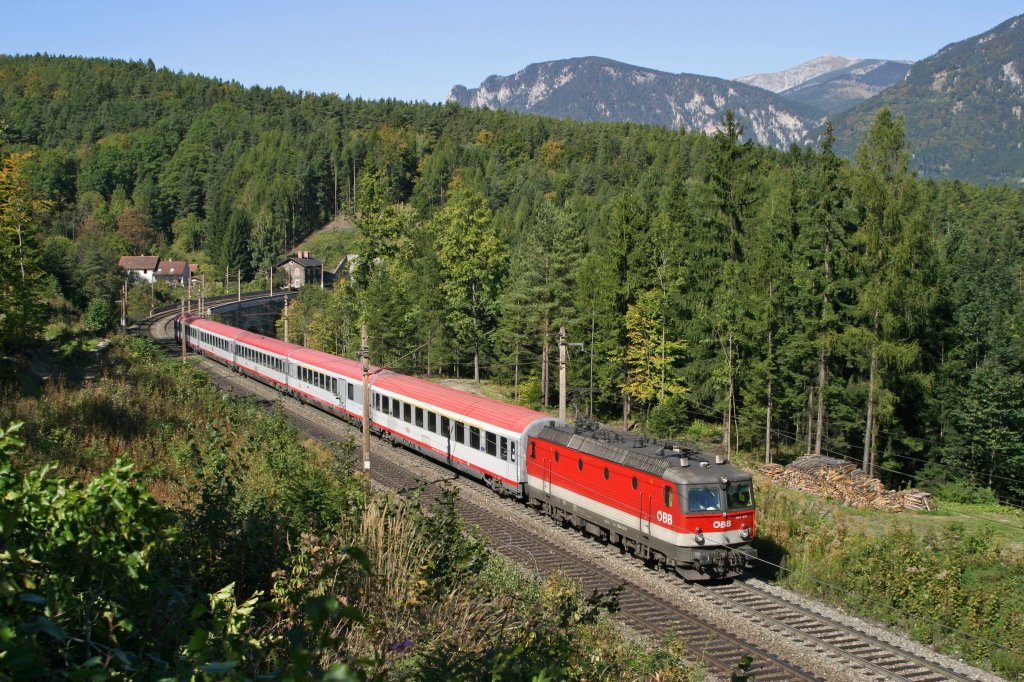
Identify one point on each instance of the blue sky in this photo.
(418, 50)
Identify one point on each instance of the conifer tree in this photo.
(823, 268)
(472, 261)
(894, 267)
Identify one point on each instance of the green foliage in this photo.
(76, 559)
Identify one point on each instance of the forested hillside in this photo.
(793, 301)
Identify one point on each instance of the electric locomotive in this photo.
(668, 503)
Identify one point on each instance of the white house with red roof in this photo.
(142, 267)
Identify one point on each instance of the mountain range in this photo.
(962, 106)
(597, 89)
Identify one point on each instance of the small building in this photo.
(173, 272)
(301, 269)
(141, 267)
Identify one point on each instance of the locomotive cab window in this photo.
(580, 464)
(740, 495)
(634, 483)
(556, 455)
(668, 496)
(606, 473)
(703, 498)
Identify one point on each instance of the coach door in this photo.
(446, 431)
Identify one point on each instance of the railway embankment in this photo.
(216, 538)
(952, 578)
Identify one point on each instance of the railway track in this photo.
(875, 658)
(784, 626)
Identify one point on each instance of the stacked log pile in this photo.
(845, 482)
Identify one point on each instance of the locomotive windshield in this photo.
(703, 498)
(740, 495)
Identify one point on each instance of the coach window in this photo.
(396, 408)
(491, 442)
(334, 390)
(668, 496)
(474, 437)
(504, 448)
(352, 392)
(431, 422)
(606, 473)
(419, 417)
(512, 450)
(407, 412)
(634, 483)
(446, 426)
(460, 432)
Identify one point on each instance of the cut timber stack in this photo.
(839, 480)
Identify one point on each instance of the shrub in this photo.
(100, 316)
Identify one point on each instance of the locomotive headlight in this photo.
(745, 533)
(699, 537)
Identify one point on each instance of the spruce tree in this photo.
(894, 268)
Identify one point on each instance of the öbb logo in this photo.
(722, 524)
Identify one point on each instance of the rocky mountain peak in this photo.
(777, 81)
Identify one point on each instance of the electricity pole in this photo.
(239, 285)
(561, 373)
(124, 304)
(365, 353)
(181, 328)
(286, 318)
